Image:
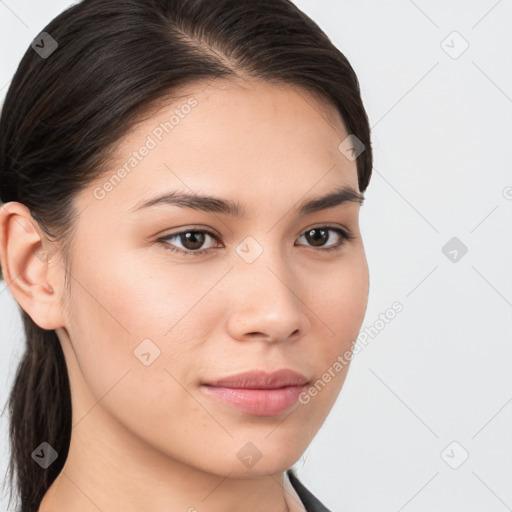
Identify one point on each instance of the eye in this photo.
(320, 234)
(193, 239)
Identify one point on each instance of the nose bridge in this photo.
(264, 263)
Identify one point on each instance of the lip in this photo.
(258, 392)
(258, 379)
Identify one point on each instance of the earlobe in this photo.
(25, 257)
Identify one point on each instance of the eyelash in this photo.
(345, 235)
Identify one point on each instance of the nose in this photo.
(266, 302)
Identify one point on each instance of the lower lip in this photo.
(261, 402)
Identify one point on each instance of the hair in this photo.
(62, 115)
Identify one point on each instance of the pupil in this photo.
(194, 237)
(321, 238)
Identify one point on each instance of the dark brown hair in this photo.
(63, 113)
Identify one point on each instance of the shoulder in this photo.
(309, 500)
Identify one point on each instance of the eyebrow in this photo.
(212, 204)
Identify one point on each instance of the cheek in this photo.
(120, 313)
(133, 312)
(133, 297)
(336, 305)
(115, 307)
(339, 301)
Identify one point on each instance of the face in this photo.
(168, 297)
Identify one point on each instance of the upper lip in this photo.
(257, 379)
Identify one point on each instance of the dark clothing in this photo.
(310, 502)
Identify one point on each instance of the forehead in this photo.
(253, 139)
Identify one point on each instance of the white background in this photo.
(441, 370)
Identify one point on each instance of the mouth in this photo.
(257, 392)
(260, 402)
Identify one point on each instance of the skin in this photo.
(147, 437)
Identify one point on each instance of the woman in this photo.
(181, 183)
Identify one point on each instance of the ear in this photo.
(31, 266)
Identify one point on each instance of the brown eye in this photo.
(191, 240)
(317, 237)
